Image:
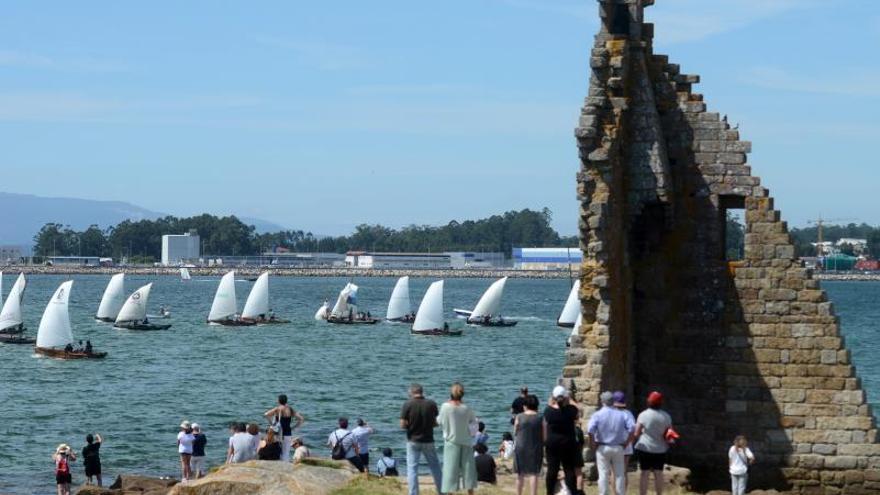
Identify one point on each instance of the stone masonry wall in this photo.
(749, 347)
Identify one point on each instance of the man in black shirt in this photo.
(485, 464)
(197, 462)
(418, 417)
(519, 404)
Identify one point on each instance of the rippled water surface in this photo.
(214, 375)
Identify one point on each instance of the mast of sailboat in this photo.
(570, 274)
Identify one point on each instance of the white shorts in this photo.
(197, 464)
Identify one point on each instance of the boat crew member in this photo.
(88, 347)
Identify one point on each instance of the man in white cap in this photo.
(610, 430)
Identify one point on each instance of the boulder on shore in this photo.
(271, 478)
(130, 485)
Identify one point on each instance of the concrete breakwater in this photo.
(848, 277)
(294, 272)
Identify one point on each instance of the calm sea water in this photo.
(214, 375)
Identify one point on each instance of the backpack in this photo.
(390, 470)
(339, 451)
(62, 467)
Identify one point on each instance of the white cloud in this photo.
(682, 21)
(849, 82)
(320, 54)
(13, 58)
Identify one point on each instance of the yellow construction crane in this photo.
(820, 224)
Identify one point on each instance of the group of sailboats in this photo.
(224, 309)
(130, 313)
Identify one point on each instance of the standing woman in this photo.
(528, 451)
(63, 457)
(185, 440)
(560, 419)
(282, 414)
(91, 455)
(458, 454)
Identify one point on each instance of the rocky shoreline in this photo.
(249, 271)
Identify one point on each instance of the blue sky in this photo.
(323, 115)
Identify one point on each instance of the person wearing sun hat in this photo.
(185, 440)
(620, 403)
(652, 444)
(63, 457)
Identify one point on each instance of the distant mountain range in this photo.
(22, 215)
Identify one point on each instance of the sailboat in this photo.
(323, 312)
(345, 311)
(575, 328)
(224, 309)
(55, 337)
(184, 274)
(572, 308)
(133, 315)
(256, 308)
(11, 325)
(429, 317)
(113, 299)
(399, 305)
(487, 312)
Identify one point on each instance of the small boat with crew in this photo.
(133, 315)
(572, 307)
(7, 338)
(112, 300)
(224, 309)
(184, 274)
(55, 337)
(345, 311)
(429, 317)
(487, 312)
(10, 317)
(399, 304)
(256, 308)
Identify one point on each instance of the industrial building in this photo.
(10, 255)
(546, 258)
(364, 259)
(470, 260)
(180, 249)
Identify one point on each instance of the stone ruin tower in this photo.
(750, 347)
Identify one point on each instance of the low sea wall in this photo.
(294, 272)
(848, 277)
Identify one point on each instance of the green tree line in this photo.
(804, 237)
(222, 236)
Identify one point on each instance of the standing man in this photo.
(610, 430)
(362, 436)
(519, 404)
(419, 418)
(197, 462)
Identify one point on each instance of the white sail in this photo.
(258, 300)
(323, 312)
(54, 331)
(224, 304)
(11, 314)
(490, 303)
(572, 307)
(184, 274)
(399, 305)
(113, 299)
(346, 302)
(1, 286)
(577, 327)
(135, 307)
(430, 313)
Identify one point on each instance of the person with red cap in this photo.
(652, 427)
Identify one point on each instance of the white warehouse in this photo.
(180, 249)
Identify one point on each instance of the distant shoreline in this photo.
(848, 277)
(294, 272)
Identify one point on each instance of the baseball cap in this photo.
(655, 399)
(560, 391)
(619, 398)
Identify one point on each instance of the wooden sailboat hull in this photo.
(142, 326)
(105, 320)
(346, 321)
(234, 323)
(6, 338)
(437, 332)
(18, 329)
(62, 354)
(505, 323)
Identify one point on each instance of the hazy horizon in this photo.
(321, 117)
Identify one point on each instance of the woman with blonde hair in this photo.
(456, 420)
(63, 456)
